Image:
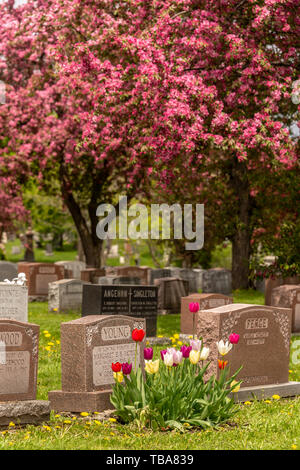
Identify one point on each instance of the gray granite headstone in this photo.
(217, 280)
(65, 295)
(13, 302)
(8, 270)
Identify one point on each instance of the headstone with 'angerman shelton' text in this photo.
(89, 346)
(136, 301)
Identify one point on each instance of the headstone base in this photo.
(80, 401)
(24, 412)
(261, 392)
(37, 298)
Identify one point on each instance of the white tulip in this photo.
(204, 354)
(224, 348)
(168, 359)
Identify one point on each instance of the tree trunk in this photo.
(91, 244)
(242, 235)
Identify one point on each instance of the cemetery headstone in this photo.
(39, 275)
(158, 273)
(89, 274)
(13, 302)
(217, 280)
(117, 280)
(65, 295)
(128, 271)
(170, 291)
(49, 250)
(18, 360)
(135, 301)
(16, 250)
(288, 296)
(89, 345)
(263, 349)
(205, 301)
(188, 275)
(72, 268)
(270, 284)
(8, 270)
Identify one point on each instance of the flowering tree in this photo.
(107, 95)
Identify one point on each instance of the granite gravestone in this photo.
(90, 274)
(89, 346)
(39, 275)
(170, 291)
(18, 360)
(65, 295)
(270, 284)
(188, 275)
(158, 274)
(129, 271)
(13, 302)
(205, 301)
(72, 268)
(263, 349)
(217, 280)
(117, 280)
(135, 301)
(288, 296)
(8, 271)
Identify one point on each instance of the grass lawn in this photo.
(270, 424)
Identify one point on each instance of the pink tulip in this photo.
(234, 338)
(194, 307)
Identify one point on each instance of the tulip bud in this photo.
(204, 354)
(138, 334)
(116, 367)
(185, 350)
(196, 344)
(126, 368)
(151, 367)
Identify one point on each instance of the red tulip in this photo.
(194, 307)
(138, 334)
(116, 367)
(234, 338)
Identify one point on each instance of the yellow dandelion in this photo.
(112, 420)
(50, 344)
(293, 446)
(97, 422)
(11, 424)
(48, 348)
(179, 343)
(67, 421)
(47, 428)
(84, 413)
(176, 336)
(268, 401)
(57, 416)
(276, 397)
(57, 341)
(247, 403)
(55, 309)
(47, 335)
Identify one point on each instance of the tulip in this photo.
(222, 364)
(224, 348)
(116, 367)
(194, 307)
(185, 350)
(234, 338)
(138, 334)
(194, 356)
(162, 353)
(196, 344)
(152, 366)
(235, 389)
(177, 357)
(204, 354)
(118, 376)
(148, 353)
(126, 368)
(168, 359)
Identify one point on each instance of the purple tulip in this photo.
(148, 354)
(185, 351)
(126, 368)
